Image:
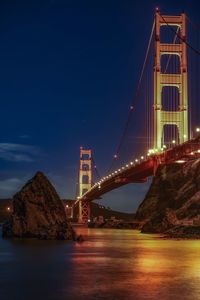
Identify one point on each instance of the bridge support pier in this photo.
(84, 212)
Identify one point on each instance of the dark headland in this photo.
(172, 204)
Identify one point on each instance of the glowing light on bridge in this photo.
(150, 151)
(173, 142)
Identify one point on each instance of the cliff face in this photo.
(38, 212)
(173, 198)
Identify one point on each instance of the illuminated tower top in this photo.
(176, 116)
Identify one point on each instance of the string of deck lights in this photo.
(115, 172)
(136, 161)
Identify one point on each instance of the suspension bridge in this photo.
(167, 93)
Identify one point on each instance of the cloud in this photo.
(18, 152)
(24, 136)
(9, 186)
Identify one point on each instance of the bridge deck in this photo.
(139, 172)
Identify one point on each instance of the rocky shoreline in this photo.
(112, 225)
(172, 204)
(184, 232)
(171, 207)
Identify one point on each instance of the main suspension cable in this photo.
(134, 100)
(95, 168)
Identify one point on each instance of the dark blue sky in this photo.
(68, 70)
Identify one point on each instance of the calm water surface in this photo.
(110, 264)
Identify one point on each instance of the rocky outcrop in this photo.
(38, 212)
(185, 232)
(173, 199)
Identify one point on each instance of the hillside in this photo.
(96, 210)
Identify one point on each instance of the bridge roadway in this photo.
(138, 172)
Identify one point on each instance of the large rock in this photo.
(38, 212)
(173, 198)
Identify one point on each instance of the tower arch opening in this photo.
(85, 167)
(170, 135)
(85, 179)
(169, 35)
(170, 98)
(170, 64)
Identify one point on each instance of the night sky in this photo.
(68, 71)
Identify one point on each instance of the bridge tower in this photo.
(85, 183)
(178, 117)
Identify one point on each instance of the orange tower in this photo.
(85, 183)
(178, 117)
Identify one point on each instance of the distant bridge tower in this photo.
(85, 183)
(178, 117)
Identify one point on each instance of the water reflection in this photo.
(109, 264)
(129, 265)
